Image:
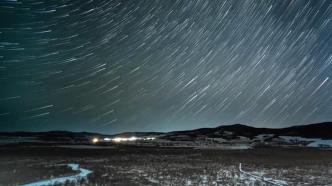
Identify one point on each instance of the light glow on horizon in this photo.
(122, 139)
(95, 140)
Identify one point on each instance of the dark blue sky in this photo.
(112, 66)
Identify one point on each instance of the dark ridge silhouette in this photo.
(319, 130)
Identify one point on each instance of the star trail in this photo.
(161, 65)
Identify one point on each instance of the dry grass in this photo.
(167, 166)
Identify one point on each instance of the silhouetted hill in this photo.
(138, 134)
(227, 132)
(319, 130)
(50, 136)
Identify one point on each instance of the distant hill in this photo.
(319, 130)
(138, 134)
(47, 137)
(228, 133)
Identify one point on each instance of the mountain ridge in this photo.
(315, 130)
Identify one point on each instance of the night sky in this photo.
(159, 65)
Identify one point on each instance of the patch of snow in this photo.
(313, 142)
(152, 180)
(264, 136)
(227, 147)
(254, 177)
(320, 143)
(296, 138)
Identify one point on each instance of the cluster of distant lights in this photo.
(121, 139)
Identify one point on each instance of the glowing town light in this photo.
(117, 139)
(121, 139)
(132, 138)
(95, 140)
(107, 139)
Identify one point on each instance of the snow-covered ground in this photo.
(313, 142)
(320, 143)
(62, 180)
(227, 147)
(170, 166)
(262, 178)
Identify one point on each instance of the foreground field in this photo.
(167, 166)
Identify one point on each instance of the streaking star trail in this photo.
(112, 66)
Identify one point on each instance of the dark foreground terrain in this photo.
(167, 166)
